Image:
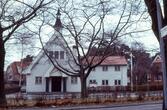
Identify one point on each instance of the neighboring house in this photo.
(41, 75)
(155, 75)
(15, 69)
(111, 72)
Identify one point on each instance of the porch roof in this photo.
(54, 72)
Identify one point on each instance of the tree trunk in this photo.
(83, 87)
(2, 60)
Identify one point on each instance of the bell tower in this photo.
(58, 25)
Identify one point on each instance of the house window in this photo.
(93, 69)
(92, 81)
(117, 82)
(10, 77)
(38, 80)
(158, 77)
(56, 55)
(117, 68)
(50, 54)
(61, 54)
(148, 77)
(104, 82)
(105, 68)
(74, 80)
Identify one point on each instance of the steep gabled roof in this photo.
(157, 59)
(54, 38)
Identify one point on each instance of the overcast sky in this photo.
(147, 38)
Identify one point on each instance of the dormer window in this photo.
(93, 69)
(61, 54)
(50, 54)
(56, 55)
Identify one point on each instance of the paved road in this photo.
(141, 107)
(125, 107)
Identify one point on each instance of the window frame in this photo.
(117, 67)
(104, 68)
(74, 80)
(50, 53)
(117, 82)
(93, 69)
(56, 54)
(62, 54)
(38, 80)
(105, 82)
(92, 81)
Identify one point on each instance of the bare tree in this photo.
(84, 29)
(142, 61)
(13, 14)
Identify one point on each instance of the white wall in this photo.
(73, 87)
(32, 87)
(38, 71)
(109, 75)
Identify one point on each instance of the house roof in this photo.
(53, 72)
(111, 60)
(14, 67)
(157, 59)
(18, 64)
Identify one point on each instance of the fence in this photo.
(136, 88)
(112, 95)
(58, 99)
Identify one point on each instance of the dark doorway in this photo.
(64, 85)
(47, 84)
(56, 84)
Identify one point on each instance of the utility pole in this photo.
(131, 70)
(163, 49)
(163, 46)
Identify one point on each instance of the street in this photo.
(140, 107)
(109, 107)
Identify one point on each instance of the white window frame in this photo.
(105, 82)
(50, 53)
(117, 67)
(105, 68)
(38, 80)
(56, 57)
(93, 69)
(92, 81)
(62, 56)
(117, 82)
(74, 80)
